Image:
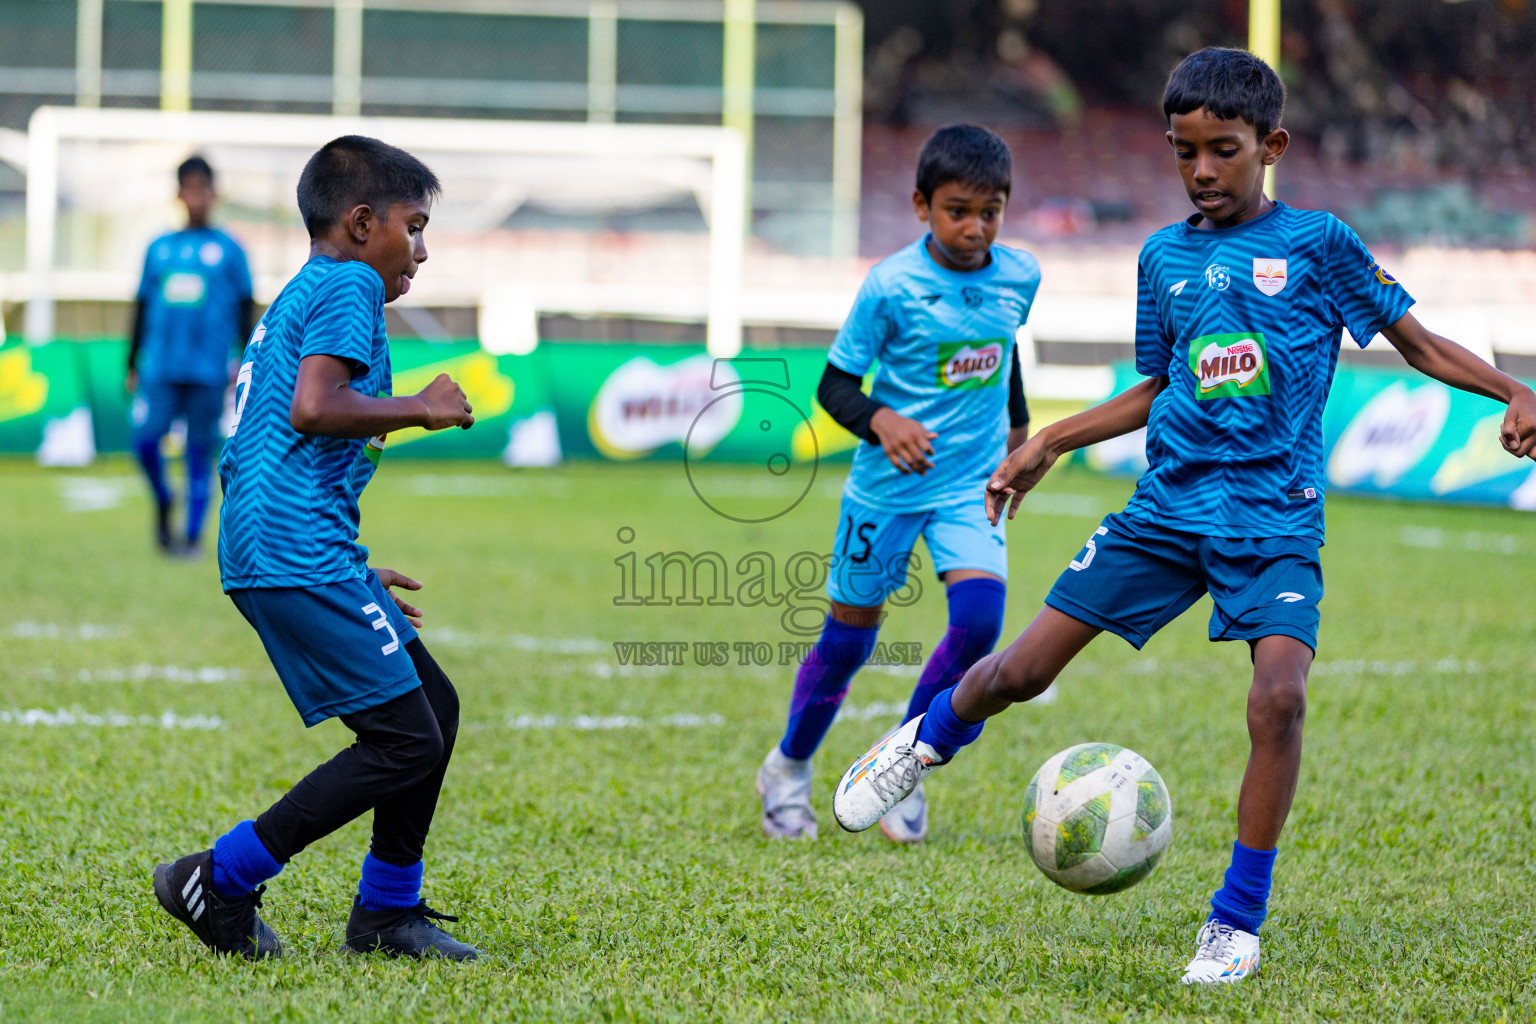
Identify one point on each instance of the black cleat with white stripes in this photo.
(224, 924)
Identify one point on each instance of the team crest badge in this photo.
(1269, 275)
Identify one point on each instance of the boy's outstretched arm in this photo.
(1017, 475)
(1449, 363)
(323, 404)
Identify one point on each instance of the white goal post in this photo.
(101, 161)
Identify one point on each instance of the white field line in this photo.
(467, 485)
(594, 723)
(519, 641)
(94, 493)
(1382, 667)
(28, 630)
(144, 673)
(110, 719)
(1435, 539)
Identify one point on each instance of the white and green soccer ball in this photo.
(1097, 818)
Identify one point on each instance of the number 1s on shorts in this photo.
(1089, 550)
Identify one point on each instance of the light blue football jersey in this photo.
(193, 284)
(1245, 324)
(290, 516)
(943, 341)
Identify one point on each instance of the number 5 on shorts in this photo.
(1077, 564)
(382, 622)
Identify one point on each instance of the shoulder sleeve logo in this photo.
(1269, 275)
(1381, 274)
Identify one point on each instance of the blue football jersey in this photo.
(193, 284)
(943, 341)
(1245, 323)
(290, 517)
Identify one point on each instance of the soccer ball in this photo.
(1097, 818)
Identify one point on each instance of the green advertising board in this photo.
(1390, 433)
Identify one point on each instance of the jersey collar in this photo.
(968, 276)
(1190, 231)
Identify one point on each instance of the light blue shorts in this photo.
(873, 549)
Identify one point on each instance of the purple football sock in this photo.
(975, 622)
(822, 683)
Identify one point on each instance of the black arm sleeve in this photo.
(247, 321)
(1018, 408)
(137, 337)
(841, 394)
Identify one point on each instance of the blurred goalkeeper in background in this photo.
(192, 315)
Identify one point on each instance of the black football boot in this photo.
(410, 931)
(224, 924)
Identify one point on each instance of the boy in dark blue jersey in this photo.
(194, 307)
(1239, 315)
(313, 409)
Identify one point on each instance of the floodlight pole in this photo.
(1264, 42)
(176, 55)
(740, 60)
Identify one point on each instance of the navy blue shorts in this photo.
(338, 648)
(1134, 577)
(156, 406)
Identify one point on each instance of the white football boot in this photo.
(907, 822)
(884, 777)
(785, 786)
(1222, 954)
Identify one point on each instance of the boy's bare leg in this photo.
(1024, 669)
(1277, 704)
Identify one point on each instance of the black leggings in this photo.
(396, 767)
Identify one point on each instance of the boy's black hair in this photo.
(355, 169)
(967, 154)
(193, 165)
(1231, 84)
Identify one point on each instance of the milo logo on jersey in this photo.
(1229, 365)
(970, 364)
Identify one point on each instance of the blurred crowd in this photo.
(1429, 93)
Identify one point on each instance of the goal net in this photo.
(535, 217)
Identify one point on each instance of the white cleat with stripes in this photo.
(1222, 954)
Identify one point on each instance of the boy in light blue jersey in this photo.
(1239, 316)
(313, 408)
(193, 309)
(938, 321)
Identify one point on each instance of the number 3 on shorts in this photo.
(1077, 564)
(382, 622)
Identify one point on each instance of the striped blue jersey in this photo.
(290, 517)
(943, 340)
(1245, 323)
(193, 284)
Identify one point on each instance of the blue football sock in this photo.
(822, 683)
(945, 731)
(975, 623)
(1243, 900)
(154, 468)
(199, 475)
(241, 861)
(386, 886)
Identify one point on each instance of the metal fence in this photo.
(787, 72)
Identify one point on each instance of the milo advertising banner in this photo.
(626, 402)
(1392, 433)
(44, 406)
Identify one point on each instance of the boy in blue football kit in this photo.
(939, 317)
(313, 408)
(193, 310)
(1240, 310)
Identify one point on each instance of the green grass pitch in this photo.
(599, 832)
